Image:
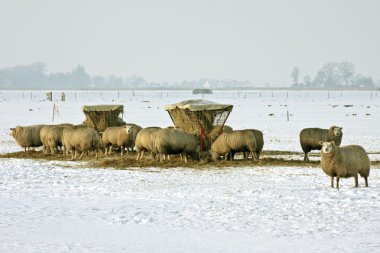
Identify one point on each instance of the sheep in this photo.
(173, 141)
(310, 138)
(122, 137)
(344, 162)
(80, 138)
(228, 144)
(45, 131)
(259, 142)
(145, 141)
(54, 137)
(27, 136)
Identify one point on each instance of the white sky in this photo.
(175, 40)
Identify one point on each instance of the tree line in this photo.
(35, 76)
(332, 75)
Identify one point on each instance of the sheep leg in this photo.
(142, 154)
(122, 150)
(366, 181)
(110, 150)
(184, 155)
(162, 156)
(254, 156)
(332, 182)
(306, 158)
(96, 154)
(180, 155)
(74, 155)
(80, 157)
(356, 181)
(337, 182)
(105, 153)
(231, 154)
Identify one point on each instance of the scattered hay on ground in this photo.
(126, 161)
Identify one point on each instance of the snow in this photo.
(64, 206)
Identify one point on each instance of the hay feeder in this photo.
(199, 117)
(100, 117)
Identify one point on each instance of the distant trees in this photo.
(34, 76)
(333, 75)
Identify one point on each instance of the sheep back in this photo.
(236, 141)
(83, 138)
(172, 141)
(145, 139)
(114, 136)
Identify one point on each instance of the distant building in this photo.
(202, 91)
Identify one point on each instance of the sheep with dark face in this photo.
(145, 141)
(227, 144)
(170, 141)
(83, 139)
(344, 162)
(27, 136)
(123, 137)
(310, 138)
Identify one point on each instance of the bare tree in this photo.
(295, 74)
(307, 80)
(347, 72)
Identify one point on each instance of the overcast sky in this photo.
(174, 40)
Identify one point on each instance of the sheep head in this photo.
(128, 129)
(327, 147)
(337, 131)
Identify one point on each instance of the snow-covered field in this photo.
(55, 206)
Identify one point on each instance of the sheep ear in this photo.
(321, 143)
(12, 128)
(341, 128)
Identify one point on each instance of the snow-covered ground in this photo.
(55, 206)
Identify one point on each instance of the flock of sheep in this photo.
(337, 162)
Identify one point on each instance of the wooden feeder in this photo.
(100, 117)
(199, 117)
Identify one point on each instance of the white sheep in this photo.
(227, 144)
(145, 141)
(27, 136)
(344, 162)
(76, 139)
(123, 137)
(173, 141)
